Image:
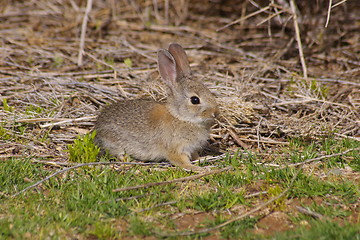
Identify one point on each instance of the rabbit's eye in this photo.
(195, 100)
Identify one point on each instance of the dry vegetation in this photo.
(246, 50)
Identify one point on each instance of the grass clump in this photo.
(6, 106)
(239, 228)
(222, 199)
(139, 227)
(4, 135)
(83, 150)
(34, 110)
(322, 230)
(57, 61)
(16, 174)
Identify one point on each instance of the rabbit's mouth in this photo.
(209, 122)
(206, 122)
(203, 121)
(210, 114)
(205, 117)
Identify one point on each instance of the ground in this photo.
(289, 111)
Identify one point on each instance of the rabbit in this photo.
(152, 131)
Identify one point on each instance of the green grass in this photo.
(323, 230)
(83, 150)
(6, 106)
(237, 229)
(81, 202)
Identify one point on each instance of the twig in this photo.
(52, 163)
(320, 158)
(339, 81)
(167, 17)
(210, 159)
(337, 4)
(309, 160)
(102, 62)
(258, 132)
(138, 51)
(309, 212)
(11, 156)
(156, 10)
(293, 102)
(298, 39)
(27, 138)
(158, 205)
(329, 10)
(78, 166)
(270, 17)
(255, 194)
(244, 18)
(184, 179)
(237, 218)
(237, 139)
(130, 198)
(307, 100)
(83, 32)
(328, 13)
(345, 136)
(323, 101)
(68, 121)
(35, 120)
(126, 198)
(270, 141)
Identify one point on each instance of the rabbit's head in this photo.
(189, 99)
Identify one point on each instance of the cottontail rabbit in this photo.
(152, 131)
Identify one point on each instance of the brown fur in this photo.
(152, 131)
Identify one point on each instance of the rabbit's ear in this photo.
(167, 66)
(182, 62)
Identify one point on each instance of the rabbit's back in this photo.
(121, 127)
(123, 113)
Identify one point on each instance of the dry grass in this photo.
(251, 64)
